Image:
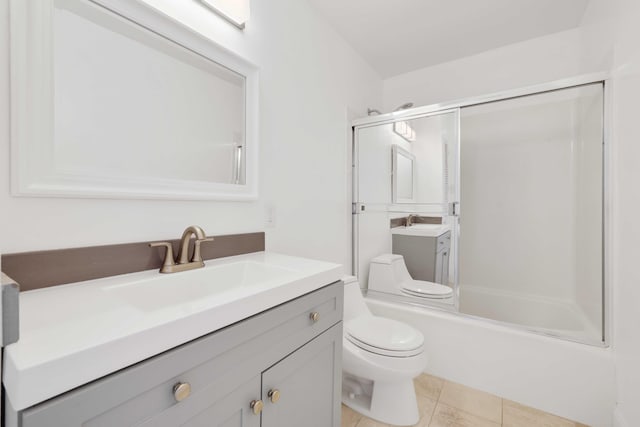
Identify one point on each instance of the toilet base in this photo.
(389, 402)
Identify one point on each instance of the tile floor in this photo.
(446, 404)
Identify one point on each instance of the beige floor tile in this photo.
(517, 415)
(428, 386)
(472, 401)
(426, 407)
(447, 416)
(349, 417)
(368, 422)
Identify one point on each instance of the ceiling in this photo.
(397, 36)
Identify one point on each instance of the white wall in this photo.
(612, 39)
(310, 79)
(534, 61)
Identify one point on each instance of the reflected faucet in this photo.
(169, 265)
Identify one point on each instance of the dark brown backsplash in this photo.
(35, 270)
(401, 222)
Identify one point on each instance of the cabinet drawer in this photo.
(212, 365)
(444, 241)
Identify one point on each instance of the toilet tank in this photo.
(382, 274)
(354, 305)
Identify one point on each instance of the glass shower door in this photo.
(531, 224)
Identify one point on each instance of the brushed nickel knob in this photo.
(274, 395)
(315, 316)
(181, 391)
(257, 406)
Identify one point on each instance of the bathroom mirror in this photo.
(402, 175)
(111, 98)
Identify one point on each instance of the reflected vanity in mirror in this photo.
(111, 98)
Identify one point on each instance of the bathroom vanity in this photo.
(99, 364)
(425, 248)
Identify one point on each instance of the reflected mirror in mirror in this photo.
(403, 175)
(140, 106)
(424, 166)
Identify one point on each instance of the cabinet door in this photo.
(309, 385)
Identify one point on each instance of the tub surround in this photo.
(74, 334)
(56, 267)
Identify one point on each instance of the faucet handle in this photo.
(168, 257)
(197, 257)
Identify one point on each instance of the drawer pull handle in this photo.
(256, 406)
(181, 391)
(315, 316)
(274, 395)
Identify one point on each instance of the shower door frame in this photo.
(439, 108)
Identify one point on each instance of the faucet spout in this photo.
(183, 255)
(183, 263)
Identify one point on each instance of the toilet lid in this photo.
(424, 289)
(384, 336)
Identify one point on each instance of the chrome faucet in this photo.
(410, 219)
(183, 263)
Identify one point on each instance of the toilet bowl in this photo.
(388, 273)
(380, 359)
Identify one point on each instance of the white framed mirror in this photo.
(403, 174)
(113, 99)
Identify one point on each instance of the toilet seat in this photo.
(383, 336)
(424, 289)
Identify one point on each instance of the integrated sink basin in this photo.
(214, 284)
(427, 230)
(73, 334)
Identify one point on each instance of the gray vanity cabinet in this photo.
(426, 257)
(294, 348)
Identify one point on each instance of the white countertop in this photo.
(73, 334)
(427, 230)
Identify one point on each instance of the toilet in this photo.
(381, 357)
(388, 273)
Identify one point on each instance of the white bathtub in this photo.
(569, 379)
(555, 317)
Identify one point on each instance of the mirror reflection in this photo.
(403, 227)
(132, 104)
